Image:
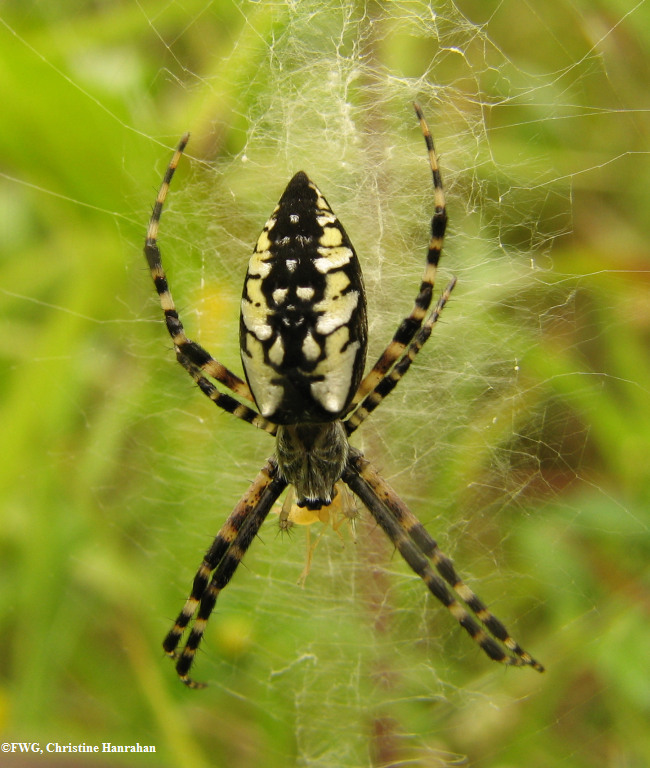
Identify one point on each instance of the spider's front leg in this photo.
(421, 551)
(223, 557)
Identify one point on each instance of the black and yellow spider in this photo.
(303, 337)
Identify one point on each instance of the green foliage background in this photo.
(115, 473)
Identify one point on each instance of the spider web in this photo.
(361, 666)
(462, 429)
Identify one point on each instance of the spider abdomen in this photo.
(303, 314)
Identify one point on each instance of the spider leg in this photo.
(386, 384)
(223, 557)
(186, 350)
(420, 551)
(411, 324)
(226, 402)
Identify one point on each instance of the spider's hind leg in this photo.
(187, 351)
(412, 322)
(388, 383)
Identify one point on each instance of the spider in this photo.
(303, 337)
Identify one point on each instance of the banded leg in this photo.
(187, 350)
(386, 385)
(418, 548)
(411, 324)
(218, 549)
(223, 557)
(226, 402)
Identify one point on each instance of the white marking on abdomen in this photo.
(306, 293)
(332, 258)
(279, 295)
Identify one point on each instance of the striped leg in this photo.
(226, 402)
(223, 557)
(418, 549)
(386, 384)
(186, 350)
(411, 324)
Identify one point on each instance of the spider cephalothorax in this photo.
(303, 336)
